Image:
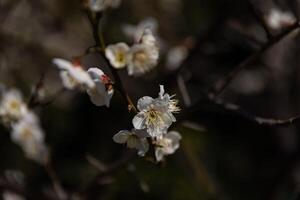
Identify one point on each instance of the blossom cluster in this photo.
(151, 123)
(97, 84)
(140, 58)
(25, 127)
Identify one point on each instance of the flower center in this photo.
(120, 57)
(14, 105)
(140, 56)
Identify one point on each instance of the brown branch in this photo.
(221, 84)
(256, 119)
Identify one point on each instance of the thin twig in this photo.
(59, 191)
(249, 116)
(221, 84)
(98, 37)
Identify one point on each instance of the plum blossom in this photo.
(72, 74)
(12, 106)
(29, 135)
(116, 54)
(103, 91)
(141, 59)
(134, 139)
(277, 19)
(176, 55)
(100, 5)
(143, 56)
(136, 32)
(154, 115)
(167, 145)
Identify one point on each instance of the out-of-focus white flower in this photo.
(116, 54)
(72, 74)
(154, 116)
(176, 56)
(165, 98)
(7, 195)
(28, 134)
(167, 145)
(136, 32)
(141, 59)
(135, 139)
(103, 91)
(100, 5)
(12, 106)
(278, 19)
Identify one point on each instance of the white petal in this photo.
(121, 137)
(143, 147)
(144, 103)
(161, 91)
(95, 73)
(62, 64)
(108, 97)
(159, 154)
(139, 121)
(68, 82)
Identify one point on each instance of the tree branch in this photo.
(221, 84)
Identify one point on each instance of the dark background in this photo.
(223, 155)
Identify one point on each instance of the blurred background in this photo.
(223, 155)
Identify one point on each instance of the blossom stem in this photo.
(99, 40)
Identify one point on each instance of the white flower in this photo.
(277, 19)
(116, 54)
(7, 195)
(142, 58)
(154, 116)
(103, 91)
(167, 145)
(12, 106)
(28, 134)
(176, 56)
(136, 32)
(72, 74)
(135, 139)
(100, 5)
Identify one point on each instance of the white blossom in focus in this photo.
(141, 59)
(73, 75)
(100, 5)
(136, 32)
(28, 134)
(278, 19)
(117, 54)
(135, 139)
(8, 195)
(167, 145)
(103, 91)
(176, 56)
(12, 106)
(154, 116)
